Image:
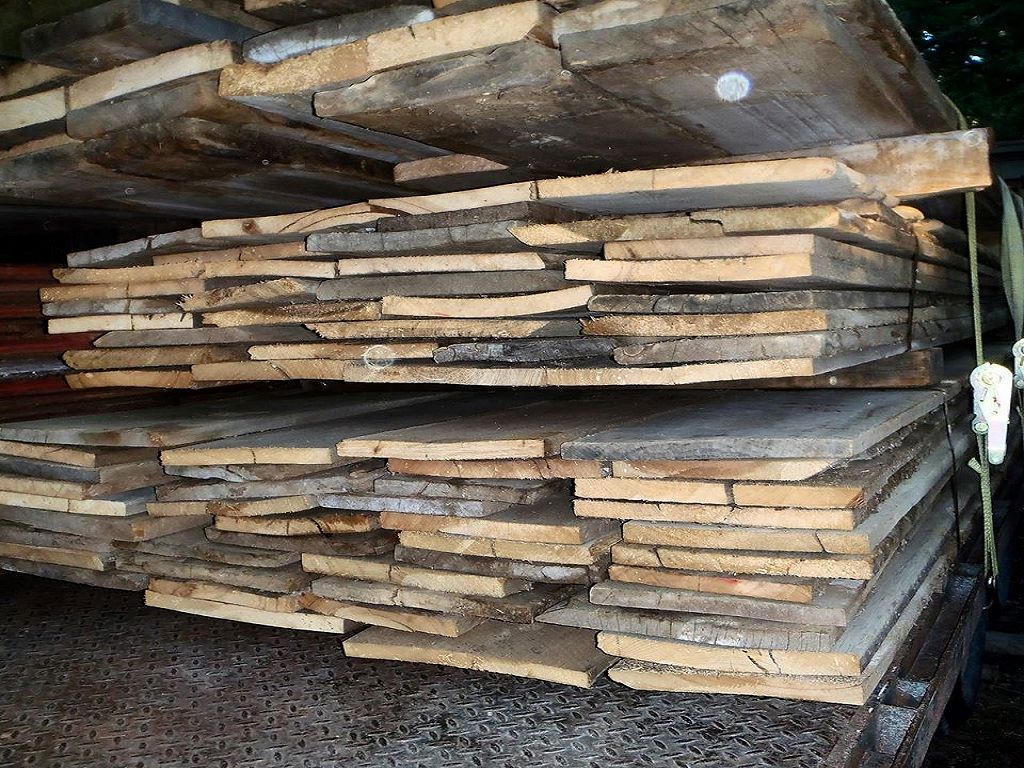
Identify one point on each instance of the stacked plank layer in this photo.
(753, 270)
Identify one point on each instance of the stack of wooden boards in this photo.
(345, 513)
(117, 107)
(749, 270)
(774, 543)
(609, 193)
(198, 108)
(74, 490)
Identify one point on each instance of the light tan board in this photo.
(544, 652)
(402, 574)
(311, 622)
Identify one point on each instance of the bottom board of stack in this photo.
(773, 543)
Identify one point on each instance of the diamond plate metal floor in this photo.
(91, 677)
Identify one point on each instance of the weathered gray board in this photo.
(756, 425)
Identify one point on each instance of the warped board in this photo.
(13, 533)
(402, 619)
(242, 473)
(490, 236)
(672, 363)
(724, 469)
(189, 96)
(111, 306)
(138, 251)
(819, 566)
(737, 303)
(760, 324)
(390, 572)
(527, 350)
(122, 290)
(832, 605)
(777, 243)
(311, 622)
(544, 652)
(22, 77)
(518, 608)
(162, 378)
(442, 263)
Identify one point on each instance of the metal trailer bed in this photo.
(91, 677)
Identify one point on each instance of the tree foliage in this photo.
(976, 50)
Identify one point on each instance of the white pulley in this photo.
(993, 389)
